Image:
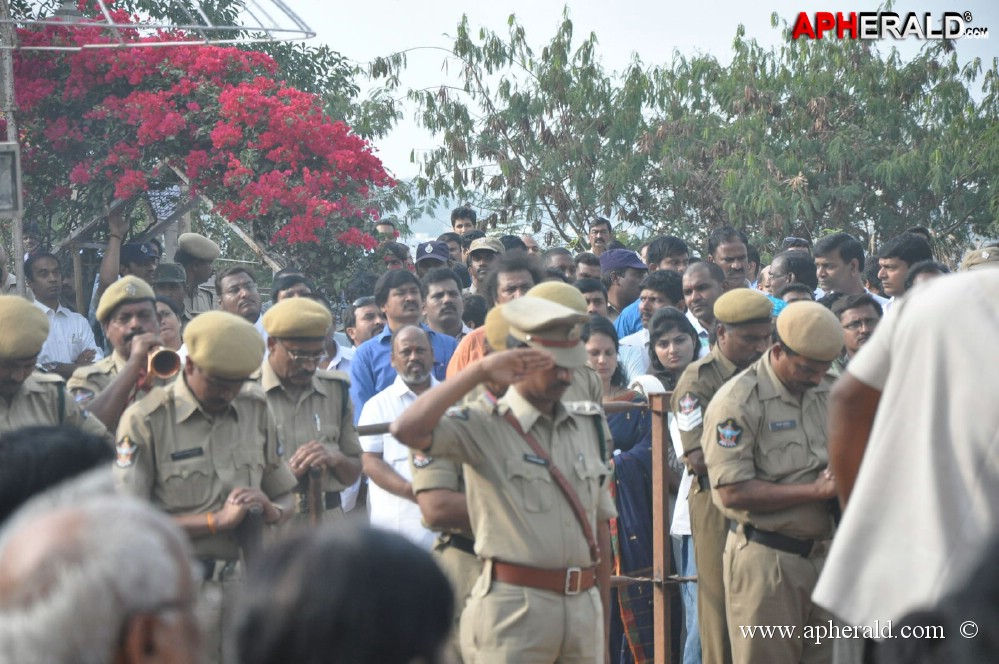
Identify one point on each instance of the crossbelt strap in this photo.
(562, 483)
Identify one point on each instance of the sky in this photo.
(652, 30)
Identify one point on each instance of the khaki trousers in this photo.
(709, 528)
(765, 587)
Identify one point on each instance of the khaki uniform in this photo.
(709, 527)
(203, 300)
(520, 516)
(755, 429)
(89, 381)
(451, 550)
(36, 403)
(187, 461)
(321, 412)
(461, 566)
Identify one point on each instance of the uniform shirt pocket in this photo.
(250, 466)
(589, 475)
(187, 484)
(531, 485)
(782, 457)
(330, 435)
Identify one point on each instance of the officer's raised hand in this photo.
(512, 366)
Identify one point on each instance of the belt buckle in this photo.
(569, 573)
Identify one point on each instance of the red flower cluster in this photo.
(113, 120)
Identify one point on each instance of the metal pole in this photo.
(8, 36)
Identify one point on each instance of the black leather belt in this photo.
(703, 483)
(462, 543)
(331, 501)
(775, 540)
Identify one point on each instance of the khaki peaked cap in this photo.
(23, 328)
(298, 317)
(224, 345)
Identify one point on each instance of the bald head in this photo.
(29, 554)
(116, 557)
(413, 356)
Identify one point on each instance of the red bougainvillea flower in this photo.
(115, 121)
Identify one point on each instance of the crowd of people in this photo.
(462, 470)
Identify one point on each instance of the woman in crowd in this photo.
(673, 345)
(631, 533)
(169, 316)
(630, 427)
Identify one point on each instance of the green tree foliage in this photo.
(803, 138)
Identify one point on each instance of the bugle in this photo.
(163, 363)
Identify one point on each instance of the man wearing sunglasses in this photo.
(312, 408)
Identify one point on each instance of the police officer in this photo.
(439, 487)
(439, 484)
(29, 398)
(127, 313)
(765, 446)
(537, 528)
(168, 282)
(312, 409)
(205, 450)
(197, 254)
(742, 329)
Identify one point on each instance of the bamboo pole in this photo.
(661, 548)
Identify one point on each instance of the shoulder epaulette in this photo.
(48, 378)
(332, 374)
(584, 407)
(104, 366)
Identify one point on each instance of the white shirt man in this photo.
(69, 335)
(385, 509)
(923, 507)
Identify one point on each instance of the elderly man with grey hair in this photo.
(96, 579)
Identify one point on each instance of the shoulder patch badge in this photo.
(82, 395)
(126, 451)
(689, 415)
(457, 413)
(422, 460)
(729, 433)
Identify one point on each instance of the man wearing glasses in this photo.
(859, 315)
(312, 409)
(363, 320)
(205, 450)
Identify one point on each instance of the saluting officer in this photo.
(30, 398)
(205, 450)
(312, 409)
(127, 314)
(536, 478)
(743, 332)
(439, 484)
(765, 447)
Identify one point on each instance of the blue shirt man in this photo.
(399, 294)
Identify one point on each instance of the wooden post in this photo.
(661, 548)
